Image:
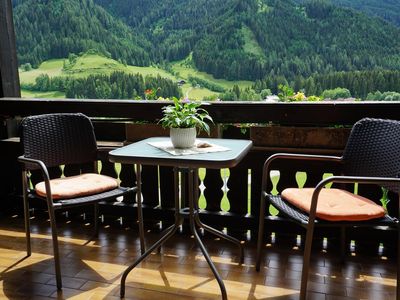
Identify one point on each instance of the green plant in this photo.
(285, 92)
(151, 94)
(299, 96)
(185, 114)
(385, 200)
(313, 98)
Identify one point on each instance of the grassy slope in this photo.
(95, 64)
(51, 67)
(185, 70)
(49, 95)
(251, 45)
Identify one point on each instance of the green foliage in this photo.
(386, 96)
(285, 92)
(206, 84)
(150, 94)
(315, 38)
(265, 93)
(336, 93)
(53, 29)
(185, 114)
(238, 94)
(385, 199)
(230, 39)
(117, 85)
(359, 83)
(72, 57)
(26, 67)
(249, 95)
(211, 98)
(312, 46)
(313, 98)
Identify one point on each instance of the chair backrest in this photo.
(373, 149)
(58, 139)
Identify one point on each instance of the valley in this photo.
(90, 63)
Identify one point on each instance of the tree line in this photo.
(117, 85)
(359, 83)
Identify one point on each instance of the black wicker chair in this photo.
(371, 156)
(48, 142)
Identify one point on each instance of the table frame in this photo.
(189, 173)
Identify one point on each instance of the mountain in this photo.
(231, 39)
(248, 39)
(55, 28)
(297, 40)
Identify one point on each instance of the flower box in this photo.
(299, 137)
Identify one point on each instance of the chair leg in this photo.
(306, 261)
(96, 220)
(55, 247)
(26, 213)
(260, 240)
(398, 264)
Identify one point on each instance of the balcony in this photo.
(228, 199)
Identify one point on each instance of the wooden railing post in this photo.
(9, 79)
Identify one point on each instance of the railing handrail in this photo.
(299, 113)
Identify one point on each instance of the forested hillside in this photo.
(174, 27)
(54, 28)
(314, 38)
(230, 39)
(249, 39)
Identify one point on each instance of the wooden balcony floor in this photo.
(92, 270)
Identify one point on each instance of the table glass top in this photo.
(143, 153)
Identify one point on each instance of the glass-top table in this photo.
(143, 153)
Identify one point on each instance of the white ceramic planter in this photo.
(182, 137)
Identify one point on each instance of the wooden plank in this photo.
(9, 79)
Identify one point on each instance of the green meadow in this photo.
(185, 69)
(36, 94)
(89, 63)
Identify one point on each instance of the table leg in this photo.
(170, 231)
(221, 235)
(191, 178)
(210, 229)
(139, 206)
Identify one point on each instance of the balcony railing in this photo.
(240, 192)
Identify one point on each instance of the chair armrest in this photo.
(290, 156)
(345, 179)
(45, 173)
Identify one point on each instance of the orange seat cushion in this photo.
(77, 186)
(335, 204)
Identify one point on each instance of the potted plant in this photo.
(184, 119)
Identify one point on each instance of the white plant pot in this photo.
(182, 137)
